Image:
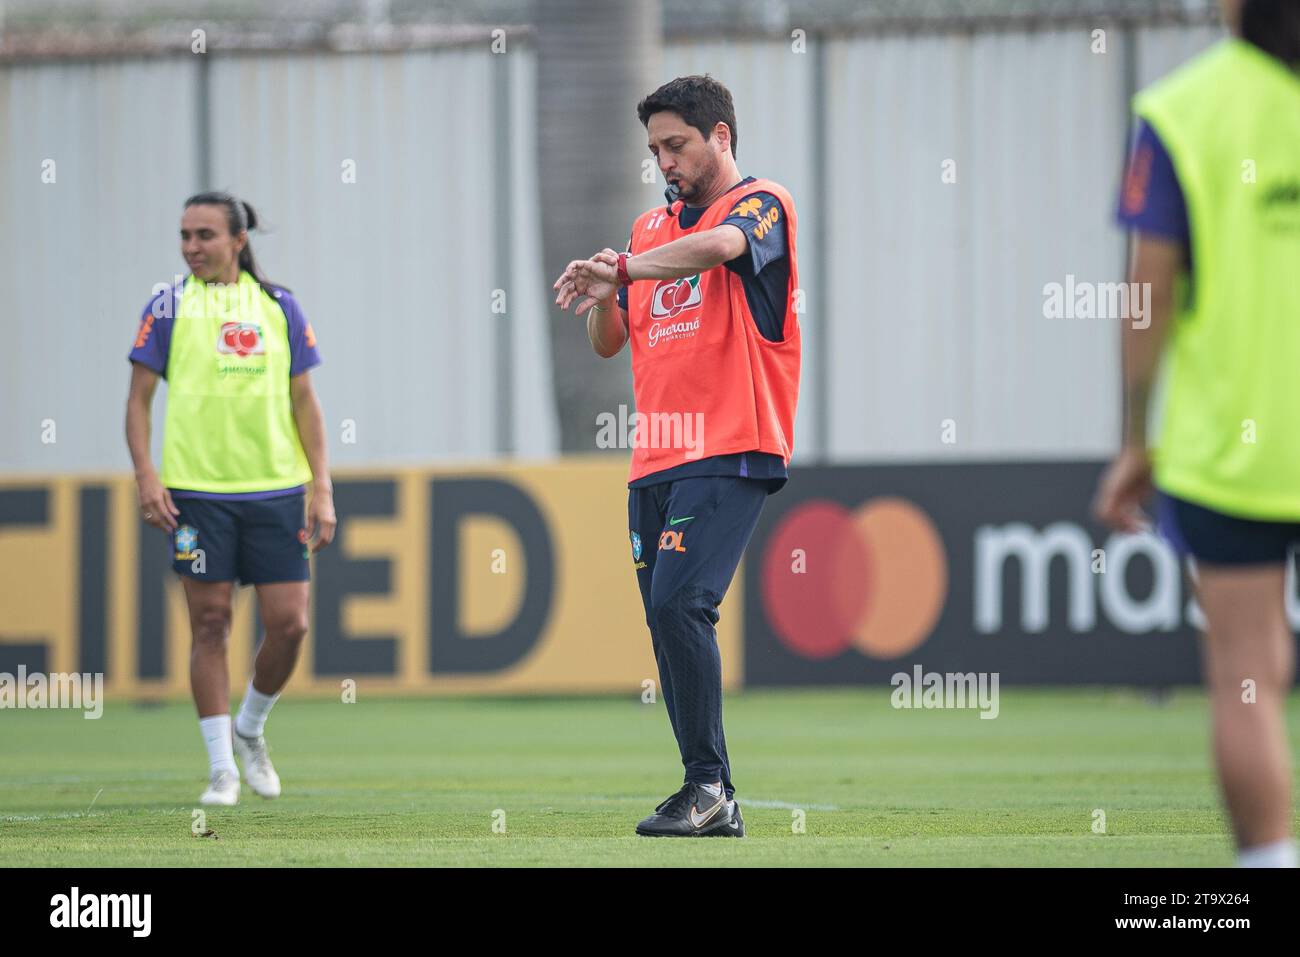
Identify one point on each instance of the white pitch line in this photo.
(138, 777)
(43, 817)
(754, 802)
(64, 815)
(744, 802)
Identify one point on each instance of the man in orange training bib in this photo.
(705, 293)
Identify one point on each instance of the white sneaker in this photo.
(222, 789)
(252, 754)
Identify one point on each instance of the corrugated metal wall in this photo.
(937, 285)
(400, 286)
(773, 89)
(1160, 49)
(924, 305)
(81, 253)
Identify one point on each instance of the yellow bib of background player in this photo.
(1230, 436)
(230, 425)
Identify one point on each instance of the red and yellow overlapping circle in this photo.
(873, 579)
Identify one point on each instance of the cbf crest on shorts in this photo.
(636, 546)
(187, 538)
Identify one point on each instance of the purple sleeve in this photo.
(1151, 200)
(302, 340)
(154, 336)
(760, 217)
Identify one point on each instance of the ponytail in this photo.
(1274, 27)
(240, 217)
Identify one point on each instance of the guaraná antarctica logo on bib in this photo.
(241, 339)
(672, 297)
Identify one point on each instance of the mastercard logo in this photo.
(872, 579)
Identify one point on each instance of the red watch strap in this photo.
(623, 278)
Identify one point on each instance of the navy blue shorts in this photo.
(257, 542)
(1218, 539)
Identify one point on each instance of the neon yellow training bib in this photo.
(1230, 435)
(229, 424)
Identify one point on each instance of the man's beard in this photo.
(703, 184)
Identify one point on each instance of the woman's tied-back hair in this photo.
(1274, 27)
(240, 216)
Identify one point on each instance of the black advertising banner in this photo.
(856, 574)
(479, 581)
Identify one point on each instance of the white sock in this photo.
(714, 789)
(216, 735)
(252, 713)
(1278, 854)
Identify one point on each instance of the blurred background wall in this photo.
(423, 171)
(391, 150)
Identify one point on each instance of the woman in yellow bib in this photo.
(243, 436)
(1213, 197)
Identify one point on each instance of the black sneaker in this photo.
(736, 828)
(691, 812)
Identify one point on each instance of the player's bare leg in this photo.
(283, 607)
(1248, 646)
(209, 609)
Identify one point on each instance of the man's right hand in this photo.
(595, 280)
(156, 505)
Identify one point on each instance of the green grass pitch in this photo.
(389, 782)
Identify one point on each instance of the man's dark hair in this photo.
(701, 102)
